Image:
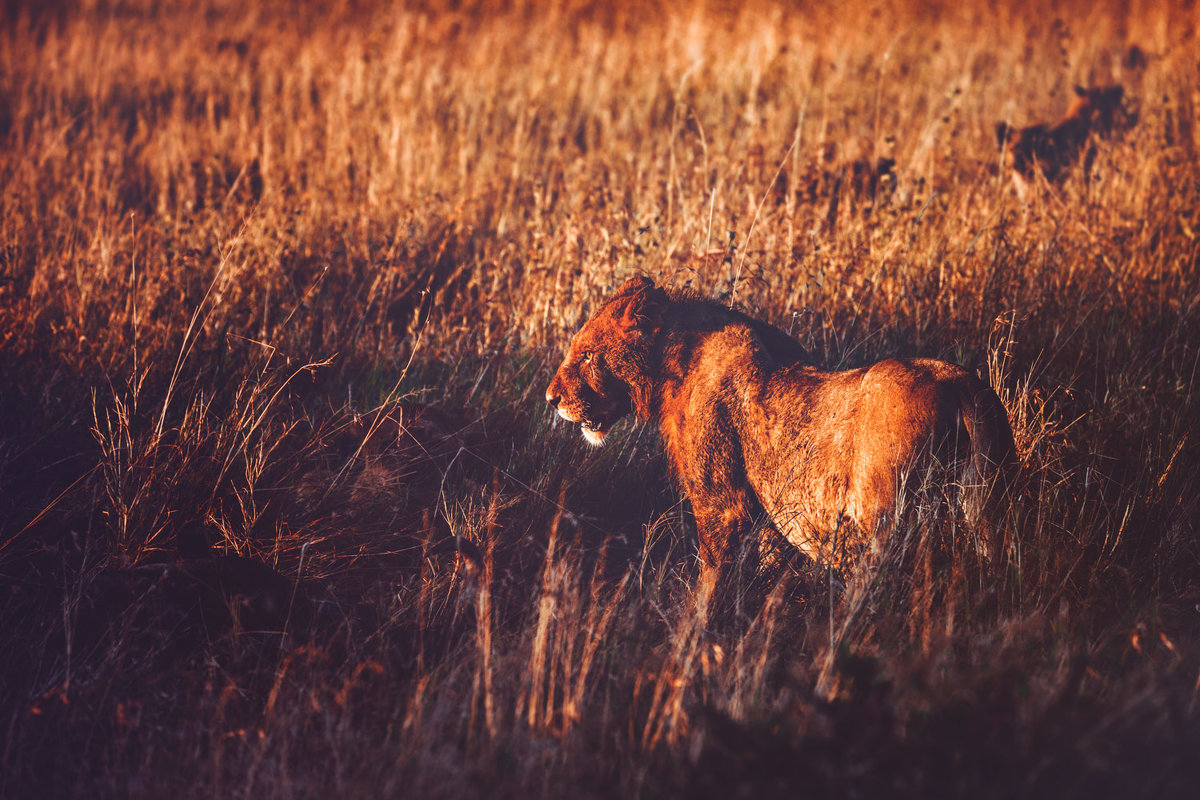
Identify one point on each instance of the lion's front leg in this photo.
(723, 525)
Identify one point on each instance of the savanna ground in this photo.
(283, 511)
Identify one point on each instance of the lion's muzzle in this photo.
(593, 432)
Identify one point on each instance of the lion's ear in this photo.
(641, 304)
(635, 284)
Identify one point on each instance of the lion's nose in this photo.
(553, 399)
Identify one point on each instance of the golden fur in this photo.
(754, 430)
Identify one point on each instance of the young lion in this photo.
(753, 428)
(1053, 149)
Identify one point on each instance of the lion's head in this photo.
(606, 362)
(1102, 109)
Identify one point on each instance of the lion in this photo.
(756, 432)
(1053, 149)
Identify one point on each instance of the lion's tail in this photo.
(987, 468)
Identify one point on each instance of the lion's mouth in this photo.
(594, 432)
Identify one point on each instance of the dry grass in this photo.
(282, 512)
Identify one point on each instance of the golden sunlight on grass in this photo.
(283, 511)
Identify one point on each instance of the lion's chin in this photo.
(594, 437)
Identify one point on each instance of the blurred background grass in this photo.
(282, 511)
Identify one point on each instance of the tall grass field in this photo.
(284, 512)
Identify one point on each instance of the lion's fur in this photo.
(754, 430)
(1053, 148)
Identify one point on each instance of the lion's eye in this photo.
(587, 358)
